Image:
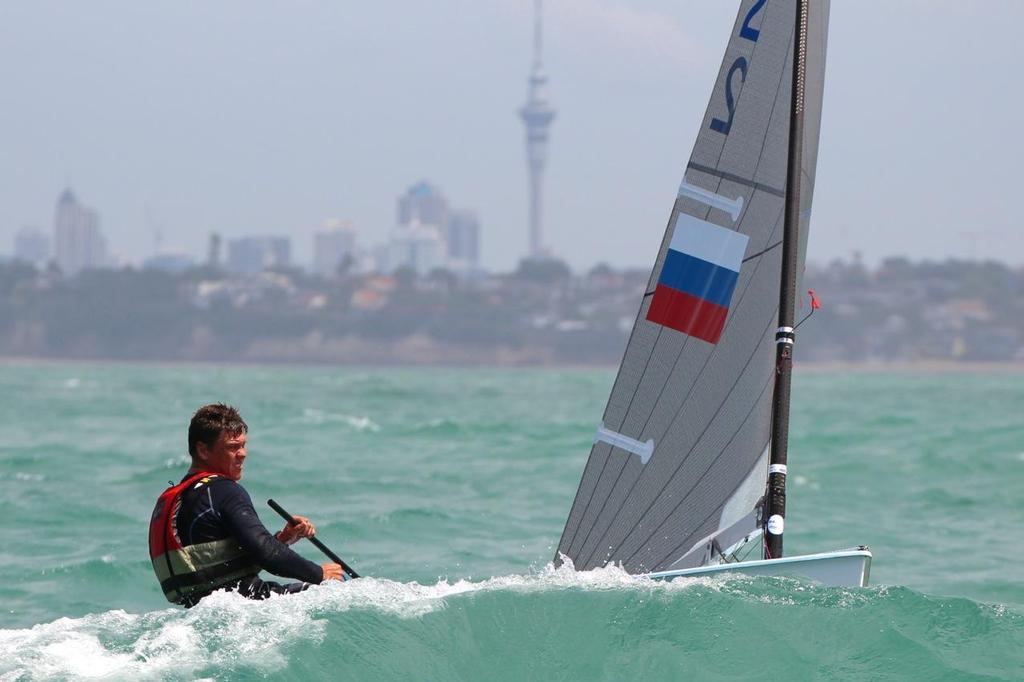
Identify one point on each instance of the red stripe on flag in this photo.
(686, 313)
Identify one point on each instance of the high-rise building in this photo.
(537, 116)
(463, 237)
(249, 255)
(77, 240)
(423, 203)
(213, 251)
(332, 246)
(32, 246)
(430, 234)
(416, 246)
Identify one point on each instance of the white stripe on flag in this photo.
(709, 242)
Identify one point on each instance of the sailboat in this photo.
(687, 473)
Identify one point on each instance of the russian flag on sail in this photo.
(698, 278)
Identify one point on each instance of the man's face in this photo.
(223, 457)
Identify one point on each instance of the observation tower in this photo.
(537, 116)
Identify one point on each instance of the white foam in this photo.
(148, 646)
(355, 422)
(21, 476)
(177, 462)
(225, 629)
(79, 655)
(359, 423)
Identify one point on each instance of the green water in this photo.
(451, 488)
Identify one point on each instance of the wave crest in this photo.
(599, 623)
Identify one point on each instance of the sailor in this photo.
(205, 535)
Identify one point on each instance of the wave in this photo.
(23, 477)
(312, 415)
(556, 623)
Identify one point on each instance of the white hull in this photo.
(845, 568)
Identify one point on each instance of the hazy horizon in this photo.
(257, 118)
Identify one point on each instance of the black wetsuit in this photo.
(223, 509)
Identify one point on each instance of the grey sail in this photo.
(678, 468)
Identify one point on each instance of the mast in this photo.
(775, 503)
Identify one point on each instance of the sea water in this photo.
(448, 488)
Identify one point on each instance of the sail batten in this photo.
(691, 383)
(646, 514)
(738, 179)
(701, 394)
(696, 486)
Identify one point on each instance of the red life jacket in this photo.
(188, 572)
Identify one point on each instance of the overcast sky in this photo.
(268, 118)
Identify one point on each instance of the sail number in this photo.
(717, 124)
(750, 33)
(746, 30)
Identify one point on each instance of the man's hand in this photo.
(292, 534)
(332, 571)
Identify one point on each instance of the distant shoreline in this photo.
(909, 366)
(870, 367)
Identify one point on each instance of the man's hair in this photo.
(210, 421)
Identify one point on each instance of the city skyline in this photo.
(174, 132)
(429, 234)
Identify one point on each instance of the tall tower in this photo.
(537, 115)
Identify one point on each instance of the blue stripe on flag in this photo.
(709, 242)
(698, 277)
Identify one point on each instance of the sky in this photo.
(183, 118)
